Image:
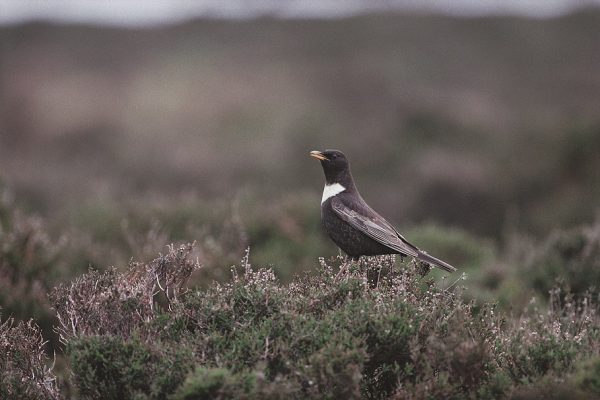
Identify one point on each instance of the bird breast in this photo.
(331, 190)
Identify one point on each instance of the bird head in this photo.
(335, 166)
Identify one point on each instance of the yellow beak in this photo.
(318, 155)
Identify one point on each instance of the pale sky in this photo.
(147, 12)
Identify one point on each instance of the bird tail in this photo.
(434, 261)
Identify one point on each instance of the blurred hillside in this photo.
(477, 137)
(484, 124)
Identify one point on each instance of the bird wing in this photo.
(375, 227)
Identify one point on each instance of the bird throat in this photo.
(331, 190)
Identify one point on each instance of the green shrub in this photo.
(462, 249)
(583, 384)
(379, 330)
(107, 367)
(570, 256)
(215, 383)
(588, 376)
(220, 383)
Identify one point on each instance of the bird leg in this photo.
(378, 277)
(344, 268)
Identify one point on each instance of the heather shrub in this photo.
(29, 266)
(539, 343)
(465, 250)
(119, 303)
(24, 373)
(571, 256)
(287, 230)
(221, 383)
(588, 376)
(136, 228)
(113, 324)
(583, 384)
(525, 267)
(216, 383)
(111, 367)
(382, 329)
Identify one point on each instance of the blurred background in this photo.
(473, 126)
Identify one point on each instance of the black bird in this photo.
(354, 226)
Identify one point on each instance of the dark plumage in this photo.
(354, 226)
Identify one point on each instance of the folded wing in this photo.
(377, 228)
